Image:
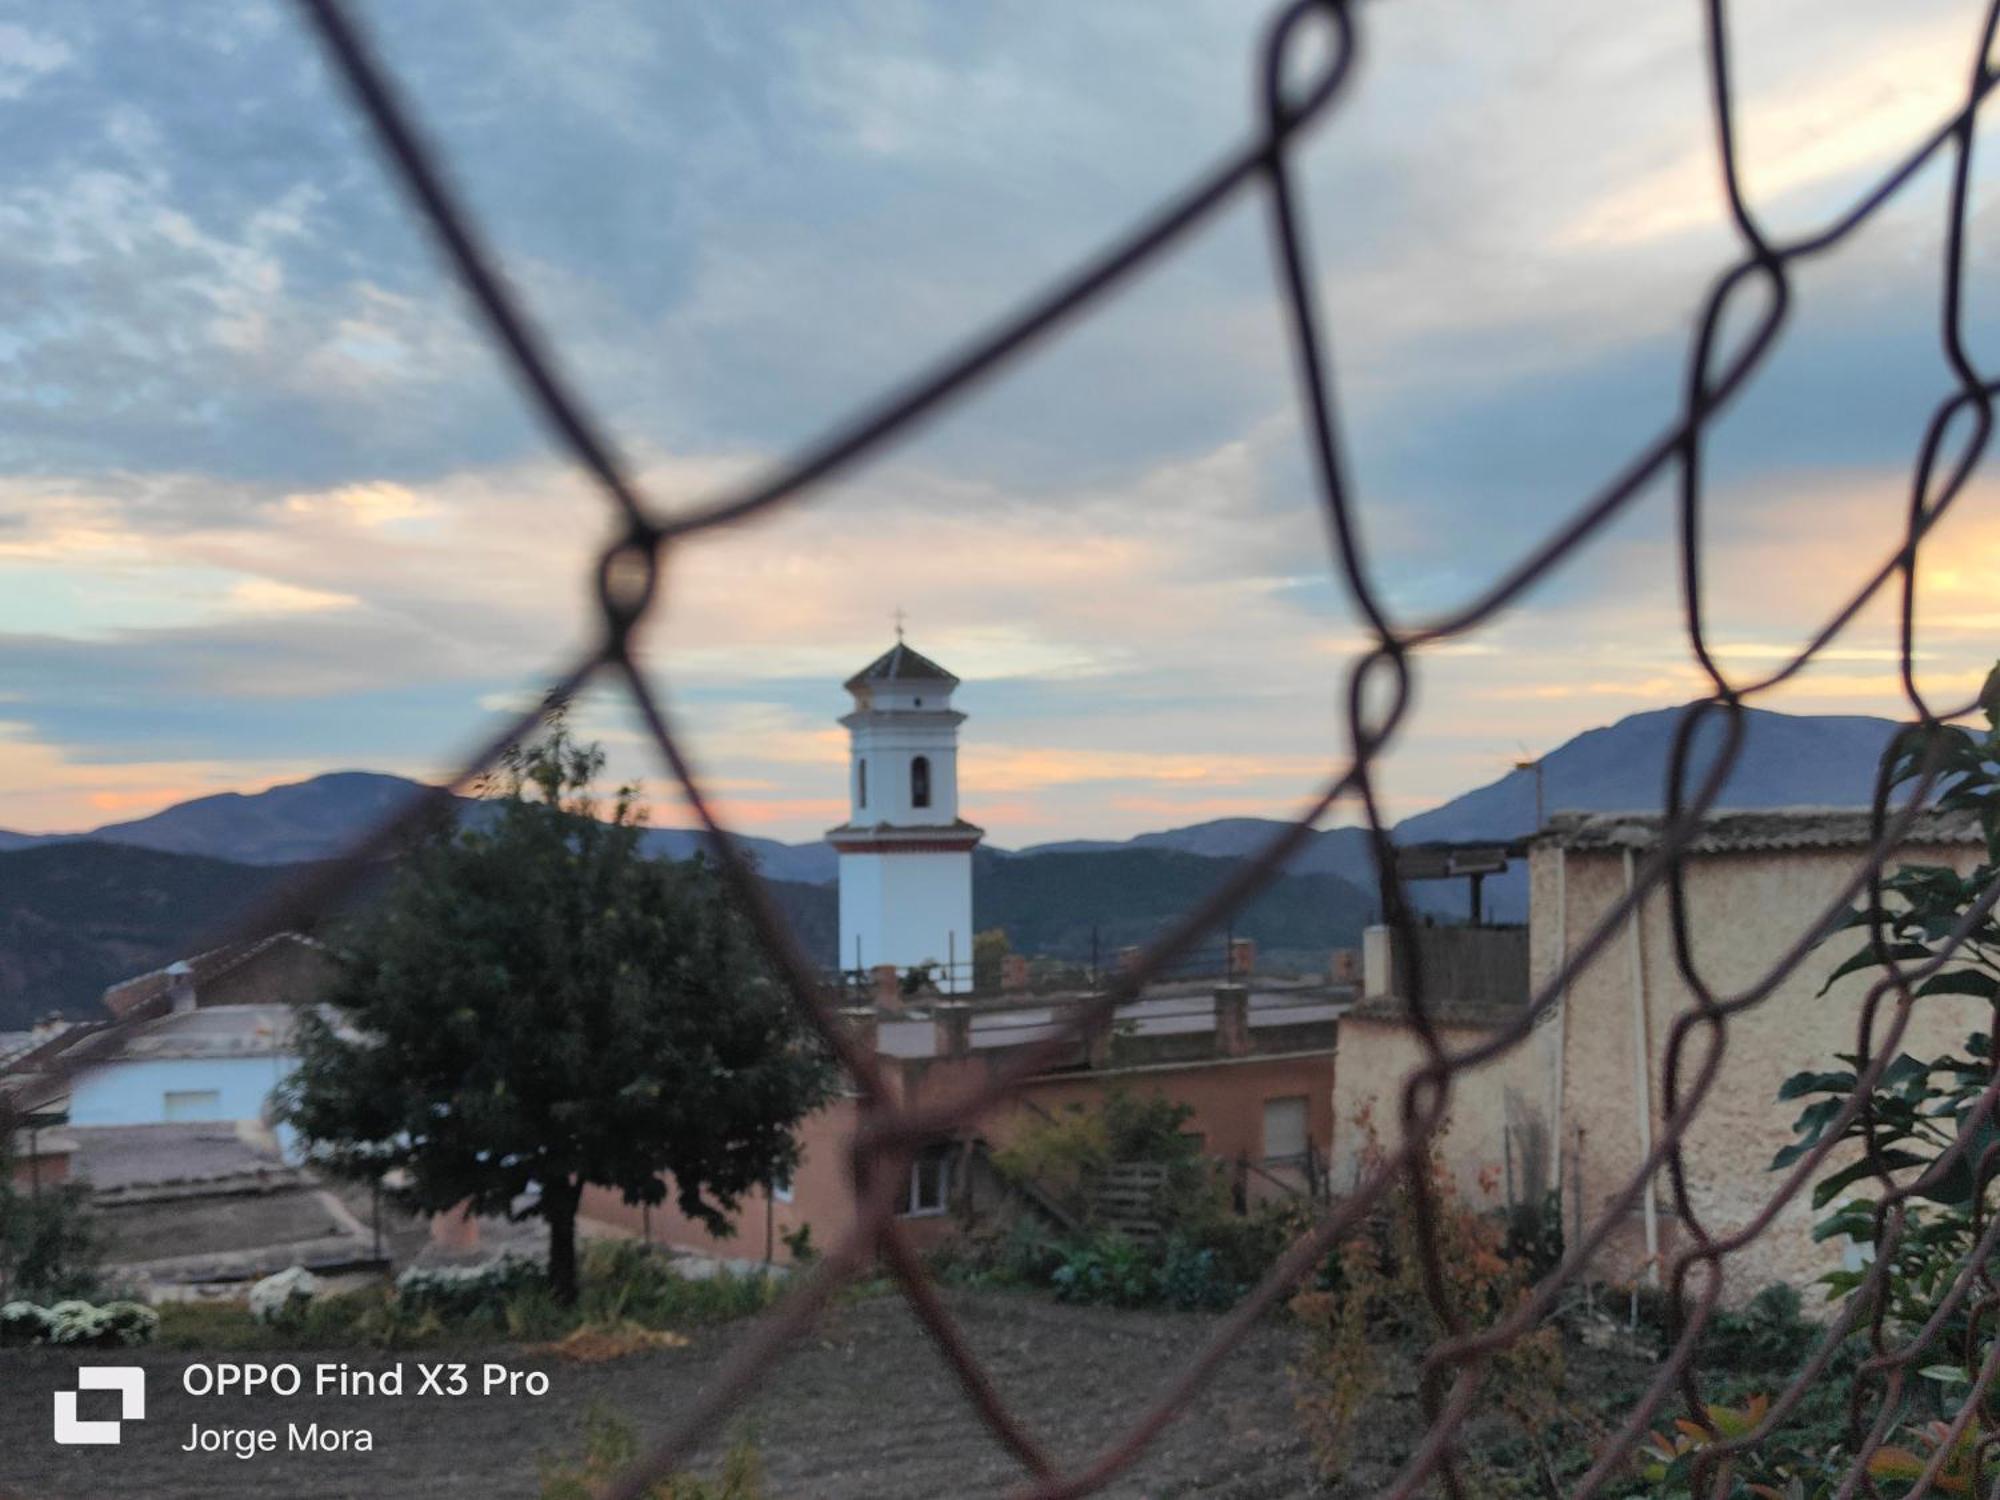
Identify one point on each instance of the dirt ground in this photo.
(865, 1410)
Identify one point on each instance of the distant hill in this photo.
(319, 818)
(77, 917)
(1052, 904)
(1786, 760)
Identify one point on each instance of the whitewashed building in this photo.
(206, 1039)
(905, 853)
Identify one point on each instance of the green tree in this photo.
(537, 1005)
(48, 1244)
(989, 952)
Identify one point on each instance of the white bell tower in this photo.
(905, 854)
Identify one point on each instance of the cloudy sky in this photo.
(268, 505)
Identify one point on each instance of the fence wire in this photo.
(1306, 63)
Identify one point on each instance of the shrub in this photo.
(79, 1325)
(48, 1242)
(130, 1323)
(1067, 1155)
(1374, 1302)
(282, 1298)
(23, 1323)
(1108, 1270)
(460, 1291)
(1770, 1334)
(1191, 1278)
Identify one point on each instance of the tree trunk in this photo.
(559, 1200)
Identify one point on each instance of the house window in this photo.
(861, 784)
(930, 1183)
(193, 1104)
(920, 781)
(1285, 1129)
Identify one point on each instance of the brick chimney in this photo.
(1014, 972)
(1242, 957)
(1232, 1020)
(1344, 967)
(888, 984)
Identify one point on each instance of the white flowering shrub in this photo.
(115, 1325)
(129, 1324)
(454, 1290)
(289, 1292)
(23, 1323)
(78, 1324)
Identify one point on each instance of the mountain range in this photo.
(79, 910)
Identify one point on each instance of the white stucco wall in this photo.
(1745, 909)
(905, 909)
(889, 743)
(135, 1093)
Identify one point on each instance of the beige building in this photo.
(1583, 1090)
(1496, 1145)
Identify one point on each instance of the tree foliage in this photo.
(535, 1005)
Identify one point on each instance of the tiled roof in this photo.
(1754, 830)
(899, 664)
(128, 996)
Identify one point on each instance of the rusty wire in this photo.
(1380, 686)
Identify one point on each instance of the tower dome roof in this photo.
(899, 664)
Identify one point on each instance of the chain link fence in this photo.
(1307, 61)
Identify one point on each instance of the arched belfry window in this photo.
(920, 781)
(861, 783)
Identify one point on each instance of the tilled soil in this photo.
(865, 1409)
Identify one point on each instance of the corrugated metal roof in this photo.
(1754, 830)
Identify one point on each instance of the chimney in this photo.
(180, 988)
(1128, 958)
(1242, 957)
(1014, 972)
(888, 983)
(1344, 967)
(952, 1029)
(1378, 969)
(1232, 1020)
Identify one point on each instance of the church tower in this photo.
(905, 854)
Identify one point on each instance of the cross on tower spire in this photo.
(900, 617)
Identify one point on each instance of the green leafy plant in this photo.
(1919, 1109)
